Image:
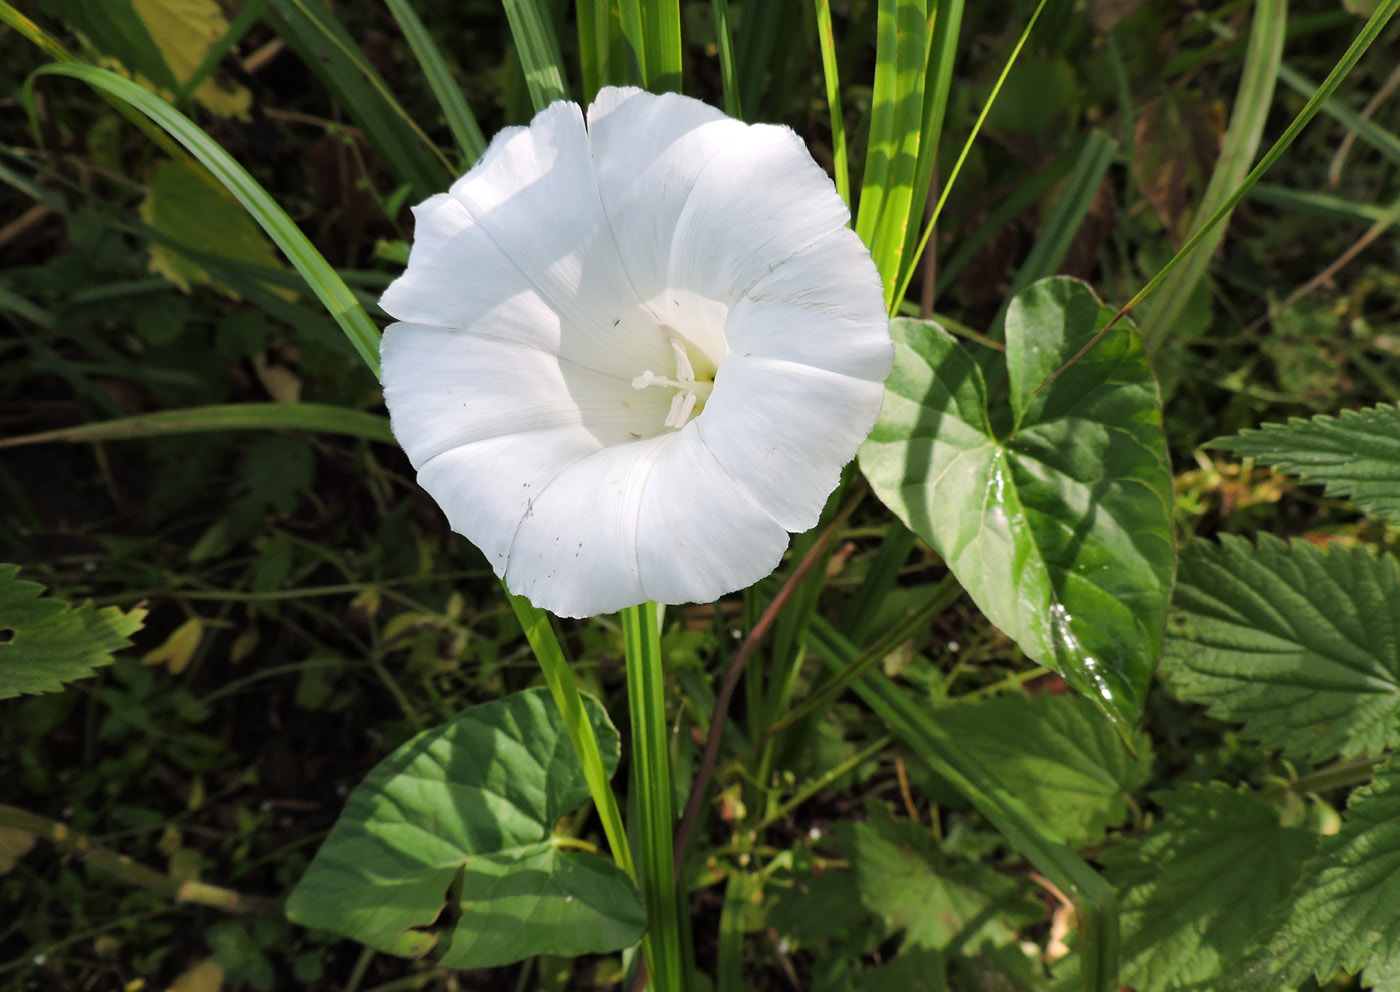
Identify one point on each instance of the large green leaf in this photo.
(450, 839)
(45, 642)
(1057, 754)
(1343, 916)
(1201, 885)
(1355, 455)
(1300, 644)
(1052, 508)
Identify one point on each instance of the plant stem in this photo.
(651, 779)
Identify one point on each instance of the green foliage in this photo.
(1343, 916)
(1053, 510)
(1201, 885)
(1300, 644)
(1356, 454)
(1058, 755)
(49, 642)
(463, 817)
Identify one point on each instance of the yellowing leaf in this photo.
(14, 844)
(178, 648)
(185, 31)
(184, 206)
(202, 976)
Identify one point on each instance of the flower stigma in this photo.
(691, 393)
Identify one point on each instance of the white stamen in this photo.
(689, 390)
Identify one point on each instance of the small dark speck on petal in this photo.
(616, 322)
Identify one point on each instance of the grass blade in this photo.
(246, 18)
(329, 288)
(1262, 60)
(602, 54)
(827, 42)
(539, 51)
(896, 117)
(329, 51)
(729, 72)
(321, 417)
(466, 132)
(654, 795)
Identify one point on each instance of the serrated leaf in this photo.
(1355, 455)
(1300, 644)
(183, 205)
(1053, 511)
(1057, 754)
(1198, 888)
(51, 642)
(467, 810)
(1343, 916)
(905, 880)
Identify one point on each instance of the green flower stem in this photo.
(651, 782)
(535, 623)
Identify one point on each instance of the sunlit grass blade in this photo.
(729, 72)
(1237, 151)
(947, 186)
(560, 679)
(827, 42)
(896, 117)
(653, 32)
(323, 418)
(538, 47)
(1094, 900)
(329, 288)
(602, 53)
(329, 51)
(466, 133)
(653, 792)
(943, 53)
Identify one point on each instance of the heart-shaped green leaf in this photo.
(460, 818)
(1052, 506)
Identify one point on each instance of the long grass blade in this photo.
(896, 117)
(826, 40)
(943, 53)
(324, 281)
(466, 132)
(654, 795)
(538, 46)
(729, 71)
(1251, 110)
(326, 47)
(602, 53)
(323, 418)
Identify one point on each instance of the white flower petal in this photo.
(700, 534)
(486, 488)
(447, 388)
(536, 197)
(758, 201)
(575, 553)
(648, 151)
(784, 430)
(823, 307)
(520, 249)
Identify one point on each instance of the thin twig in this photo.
(741, 657)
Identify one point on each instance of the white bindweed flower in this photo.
(634, 353)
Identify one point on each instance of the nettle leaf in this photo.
(1198, 888)
(450, 840)
(1053, 507)
(904, 879)
(45, 642)
(1355, 455)
(1300, 644)
(1343, 915)
(1057, 755)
